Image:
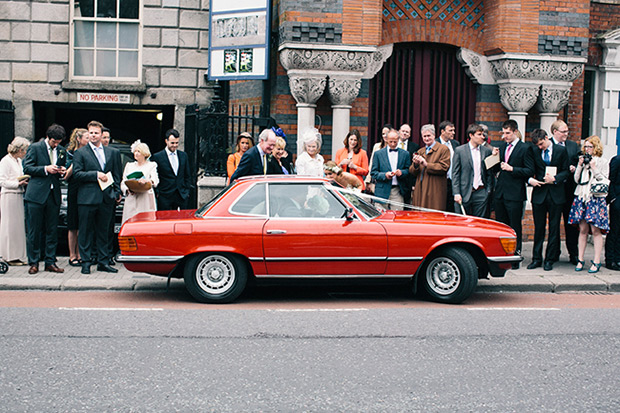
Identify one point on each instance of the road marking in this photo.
(512, 309)
(308, 310)
(108, 309)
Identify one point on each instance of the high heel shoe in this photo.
(582, 264)
(598, 267)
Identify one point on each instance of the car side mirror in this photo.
(349, 215)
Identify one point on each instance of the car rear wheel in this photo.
(450, 276)
(215, 278)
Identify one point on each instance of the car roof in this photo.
(282, 178)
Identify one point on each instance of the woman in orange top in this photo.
(352, 158)
(244, 142)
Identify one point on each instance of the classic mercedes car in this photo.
(296, 227)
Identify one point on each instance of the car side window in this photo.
(303, 200)
(252, 202)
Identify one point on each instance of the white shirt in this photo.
(449, 145)
(173, 157)
(393, 157)
(475, 157)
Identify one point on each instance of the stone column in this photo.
(343, 90)
(518, 97)
(306, 88)
(607, 116)
(552, 99)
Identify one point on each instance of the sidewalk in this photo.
(563, 278)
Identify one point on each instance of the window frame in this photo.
(117, 21)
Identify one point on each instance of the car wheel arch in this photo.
(473, 248)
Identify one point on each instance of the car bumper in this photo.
(499, 265)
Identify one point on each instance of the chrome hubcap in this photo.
(215, 274)
(443, 276)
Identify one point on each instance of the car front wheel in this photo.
(450, 276)
(215, 278)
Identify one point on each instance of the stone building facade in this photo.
(48, 68)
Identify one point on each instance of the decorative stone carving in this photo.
(325, 60)
(536, 67)
(307, 88)
(343, 91)
(476, 66)
(553, 98)
(377, 60)
(518, 97)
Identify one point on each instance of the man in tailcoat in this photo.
(45, 163)
(98, 170)
(390, 169)
(174, 174)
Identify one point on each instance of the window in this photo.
(302, 200)
(252, 202)
(106, 38)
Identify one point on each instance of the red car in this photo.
(301, 227)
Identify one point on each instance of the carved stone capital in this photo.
(377, 59)
(343, 90)
(536, 67)
(552, 98)
(610, 41)
(518, 97)
(306, 88)
(476, 66)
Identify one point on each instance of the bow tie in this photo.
(393, 150)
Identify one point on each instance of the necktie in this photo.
(393, 150)
(477, 175)
(428, 149)
(507, 155)
(546, 157)
(265, 164)
(174, 162)
(100, 157)
(401, 145)
(51, 155)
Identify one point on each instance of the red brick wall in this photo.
(603, 17)
(511, 26)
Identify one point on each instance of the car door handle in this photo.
(275, 231)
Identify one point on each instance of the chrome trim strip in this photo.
(510, 258)
(335, 276)
(149, 258)
(279, 259)
(405, 258)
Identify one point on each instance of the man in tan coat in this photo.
(430, 167)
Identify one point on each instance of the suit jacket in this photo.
(381, 165)
(510, 186)
(614, 179)
(463, 172)
(559, 159)
(452, 142)
(169, 183)
(37, 158)
(85, 170)
(572, 150)
(250, 164)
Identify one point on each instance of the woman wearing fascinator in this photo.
(139, 179)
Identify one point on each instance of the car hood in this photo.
(443, 219)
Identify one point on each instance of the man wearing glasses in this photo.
(45, 163)
(559, 130)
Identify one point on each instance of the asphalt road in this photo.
(137, 352)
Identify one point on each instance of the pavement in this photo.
(562, 278)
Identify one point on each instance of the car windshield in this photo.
(200, 212)
(358, 202)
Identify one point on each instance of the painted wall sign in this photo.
(239, 39)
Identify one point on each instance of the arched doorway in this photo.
(421, 83)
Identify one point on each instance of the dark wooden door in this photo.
(421, 83)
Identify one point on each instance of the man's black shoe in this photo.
(85, 269)
(534, 264)
(613, 266)
(573, 260)
(112, 262)
(106, 268)
(548, 266)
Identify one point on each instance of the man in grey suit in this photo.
(471, 181)
(92, 166)
(45, 163)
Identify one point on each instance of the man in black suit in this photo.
(405, 143)
(258, 160)
(446, 137)
(390, 168)
(559, 130)
(471, 180)
(95, 166)
(612, 241)
(45, 163)
(548, 196)
(515, 167)
(174, 174)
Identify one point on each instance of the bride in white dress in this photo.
(143, 171)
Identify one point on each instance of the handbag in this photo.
(600, 187)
